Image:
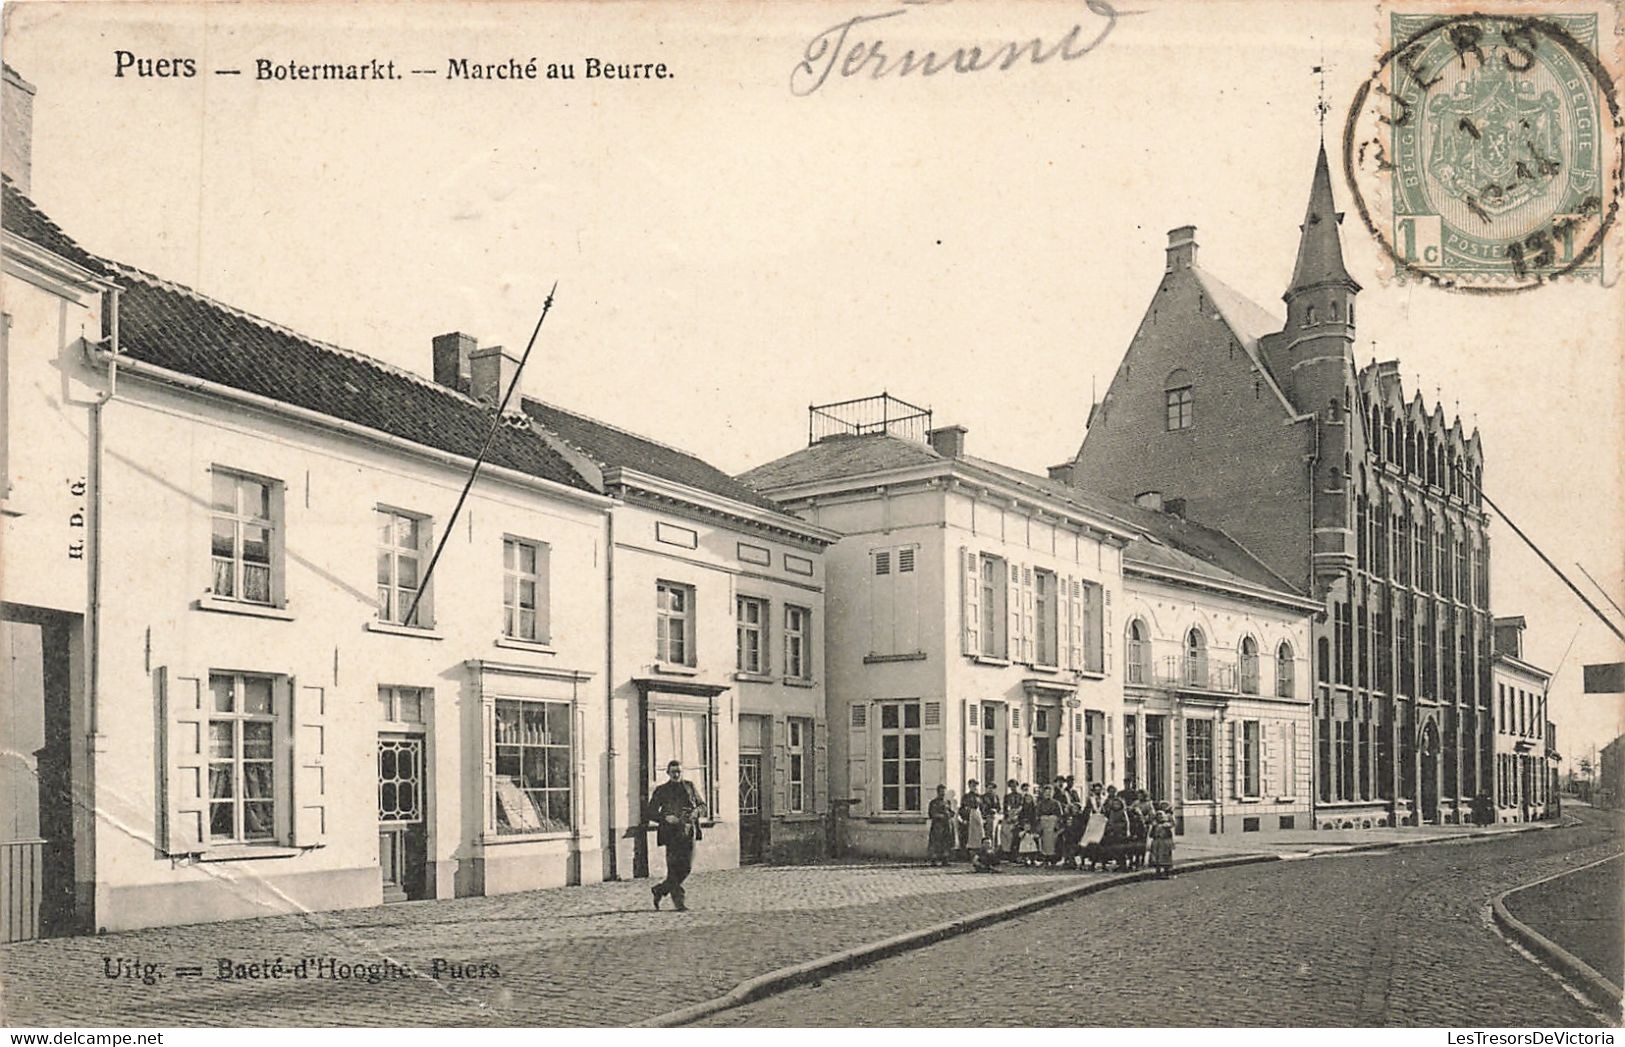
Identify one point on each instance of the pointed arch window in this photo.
(1309, 316)
(1249, 665)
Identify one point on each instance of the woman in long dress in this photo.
(1049, 826)
(1010, 824)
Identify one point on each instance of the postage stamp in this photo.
(1484, 149)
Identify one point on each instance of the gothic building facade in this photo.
(1365, 498)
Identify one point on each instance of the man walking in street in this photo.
(676, 808)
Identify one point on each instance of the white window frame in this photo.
(1179, 408)
(701, 771)
(994, 605)
(1285, 671)
(545, 824)
(751, 654)
(1252, 760)
(514, 578)
(1212, 760)
(1046, 616)
(239, 520)
(1093, 633)
(901, 712)
(670, 647)
(797, 744)
(798, 642)
(391, 608)
(392, 702)
(237, 719)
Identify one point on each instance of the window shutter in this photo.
(933, 756)
(1106, 630)
(1108, 749)
(818, 770)
(781, 767)
(906, 604)
(1014, 748)
(1029, 638)
(1012, 608)
(1078, 622)
(973, 740)
(544, 593)
(185, 732)
(488, 762)
(1236, 758)
(1063, 621)
(857, 757)
(1267, 734)
(970, 611)
(582, 825)
(308, 708)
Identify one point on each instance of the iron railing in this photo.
(870, 414)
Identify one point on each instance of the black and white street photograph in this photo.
(935, 514)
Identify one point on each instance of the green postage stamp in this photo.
(1484, 150)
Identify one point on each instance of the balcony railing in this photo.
(1201, 673)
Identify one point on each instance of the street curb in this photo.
(776, 981)
(1587, 979)
(787, 977)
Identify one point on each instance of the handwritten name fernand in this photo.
(837, 50)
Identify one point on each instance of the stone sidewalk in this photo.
(577, 956)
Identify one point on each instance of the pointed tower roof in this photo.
(1320, 249)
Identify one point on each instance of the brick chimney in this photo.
(1181, 247)
(1174, 507)
(1062, 474)
(948, 441)
(452, 353)
(17, 118)
(491, 371)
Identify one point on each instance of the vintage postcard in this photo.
(1054, 513)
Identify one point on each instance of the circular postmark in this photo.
(1484, 154)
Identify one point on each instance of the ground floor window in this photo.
(1199, 759)
(242, 759)
(687, 736)
(900, 749)
(534, 765)
(1250, 759)
(798, 740)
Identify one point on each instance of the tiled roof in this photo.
(835, 457)
(1163, 539)
(611, 447)
(19, 216)
(176, 328)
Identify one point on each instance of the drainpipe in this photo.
(613, 841)
(93, 608)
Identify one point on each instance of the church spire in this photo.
(1320, 250)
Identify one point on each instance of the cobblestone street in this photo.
(593, 955)
(1358, 939)
(600, 955)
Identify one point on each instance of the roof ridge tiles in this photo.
(282, 329)
(610, 425)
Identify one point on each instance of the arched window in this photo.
(1390, 434)
(1195, 658)
(1179, 400)
(1375, 436)
(1478, 484)
(1137, 663)
(1351, 314)
(1284, 671)
(1249, 665)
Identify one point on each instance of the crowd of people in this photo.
(1056, 825)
